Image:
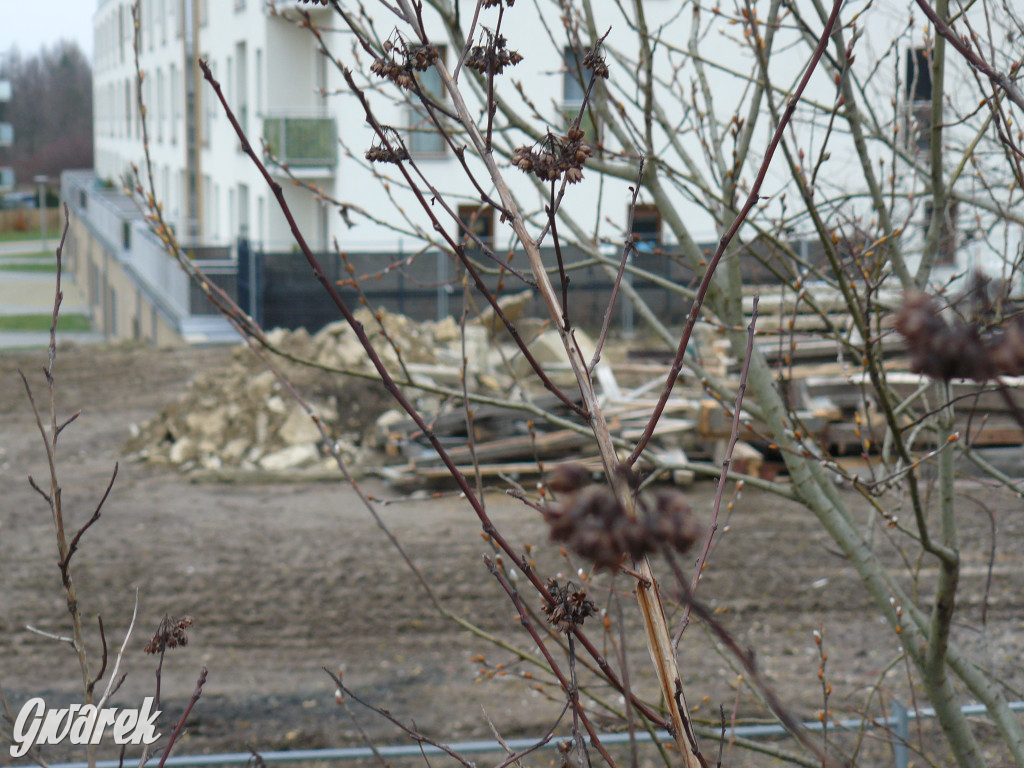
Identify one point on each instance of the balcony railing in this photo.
(302, 142)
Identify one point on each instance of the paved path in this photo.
(27, 246)
(31, 293)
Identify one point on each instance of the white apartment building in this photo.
(274, 77)
(270, 73)
(285, 92)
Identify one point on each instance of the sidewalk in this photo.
(11, 247)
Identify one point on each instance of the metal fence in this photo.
(277, 289)
(898, 724)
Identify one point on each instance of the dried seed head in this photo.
(944, 350)
(393, 151)
(555, 155)
(570, 606)
(595, 62)
(169, 634)
(491, 56)
(567, 478)
(590, 521)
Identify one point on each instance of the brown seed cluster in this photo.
(381, 154)
(588, 519)
(958, 350)
(400, 60)
(571, 606)
(555, 155)
(388, 149)
(170, 634)
(492, 56)
(595, 62)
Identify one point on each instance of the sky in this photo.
(33, 24)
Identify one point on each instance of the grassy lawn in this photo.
(40, 267)
(42, 323)
(30, 255)
(13, 235)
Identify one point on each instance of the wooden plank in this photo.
(521, 446)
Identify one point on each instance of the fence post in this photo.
(901, 731)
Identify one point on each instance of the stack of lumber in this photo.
(832, 403)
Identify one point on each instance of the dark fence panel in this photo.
(427, 286)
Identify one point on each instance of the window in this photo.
(948, 236)
(243, 210)
(127, 109)
(646, 227)
(479, 220)
(207, 107)
(424, 139)
(175, 105)
(918, 100)
(160, 107)
(242, 87)
(259, 81)
(919, 75)
(573, 80)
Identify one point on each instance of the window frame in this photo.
(418, 124)
(470, 218)
(643, 213)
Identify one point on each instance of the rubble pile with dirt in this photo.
(242, 416)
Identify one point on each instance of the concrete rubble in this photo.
(242, 418)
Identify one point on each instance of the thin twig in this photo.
(726, 463)
(184, 716)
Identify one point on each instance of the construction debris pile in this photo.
(244, 419)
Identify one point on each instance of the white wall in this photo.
(281, 74)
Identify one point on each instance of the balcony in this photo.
(307, 145)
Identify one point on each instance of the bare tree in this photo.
(895, 158)
(50, 111)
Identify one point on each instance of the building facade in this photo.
(294, 100)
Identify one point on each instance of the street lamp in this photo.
(41, 181)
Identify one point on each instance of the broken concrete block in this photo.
(183, 450)
(292, 457)
(235, 450)
(298, 428)
(208, 424)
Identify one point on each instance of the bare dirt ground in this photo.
(284, 579)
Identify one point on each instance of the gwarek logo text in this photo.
(82, 724)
